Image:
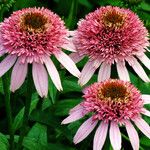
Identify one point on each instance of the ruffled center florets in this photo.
(113, 100)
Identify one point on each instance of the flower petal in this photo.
(71, 33)
(143, 126)
(146, 98)
(66, 61)
(100, 136)
(2, 51)
(76, 115)
(69, 45)
(40, 79)
(145, 60)
(18, 75)
(88, 71)
(53, 72)
(76, 57)
(122, 71)
(133, 135)
(104, 72)
(115, 136)
(138, 69)
(85, 129)
(7, 63)
(76, 108)
(145, 112)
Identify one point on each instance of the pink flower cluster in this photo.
(107, 36)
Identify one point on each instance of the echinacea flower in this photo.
(111, 35)
(112, 103)
(31, 36)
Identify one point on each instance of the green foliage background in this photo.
(45, 131)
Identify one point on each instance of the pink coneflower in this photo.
(31, 36)
(111, 35)
(111, 103)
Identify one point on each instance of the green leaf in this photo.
(1, 86)
(3, 142)
(31, 144)
(19, 117)
(39, 133)
(52, 91)
(63, 107)
(24, 4)
(71, 85)
(45, 117)
(145, 6)
(85, 3)
(145, 141)
(3, 146)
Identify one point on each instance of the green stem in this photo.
(23, 130)
(5, 80)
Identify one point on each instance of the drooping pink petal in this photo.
(133, 135)
(115, 136)
(146, 98)
(67, 63)
(18, 75)
(143, 126)
(145, 112)
(76, 108)
(2, 51)
(76, 57)
(88, 71)
(7, 63)
(71, 33)
(40, 79)
(53, 72)
(85, 129)
(138, 69)
(145, 60)
(122, 71)
(76, 115)
(100, 136)
(69, 45)
(104, 72)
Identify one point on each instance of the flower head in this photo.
(115, 103)
(111, 35)
(32, 35)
